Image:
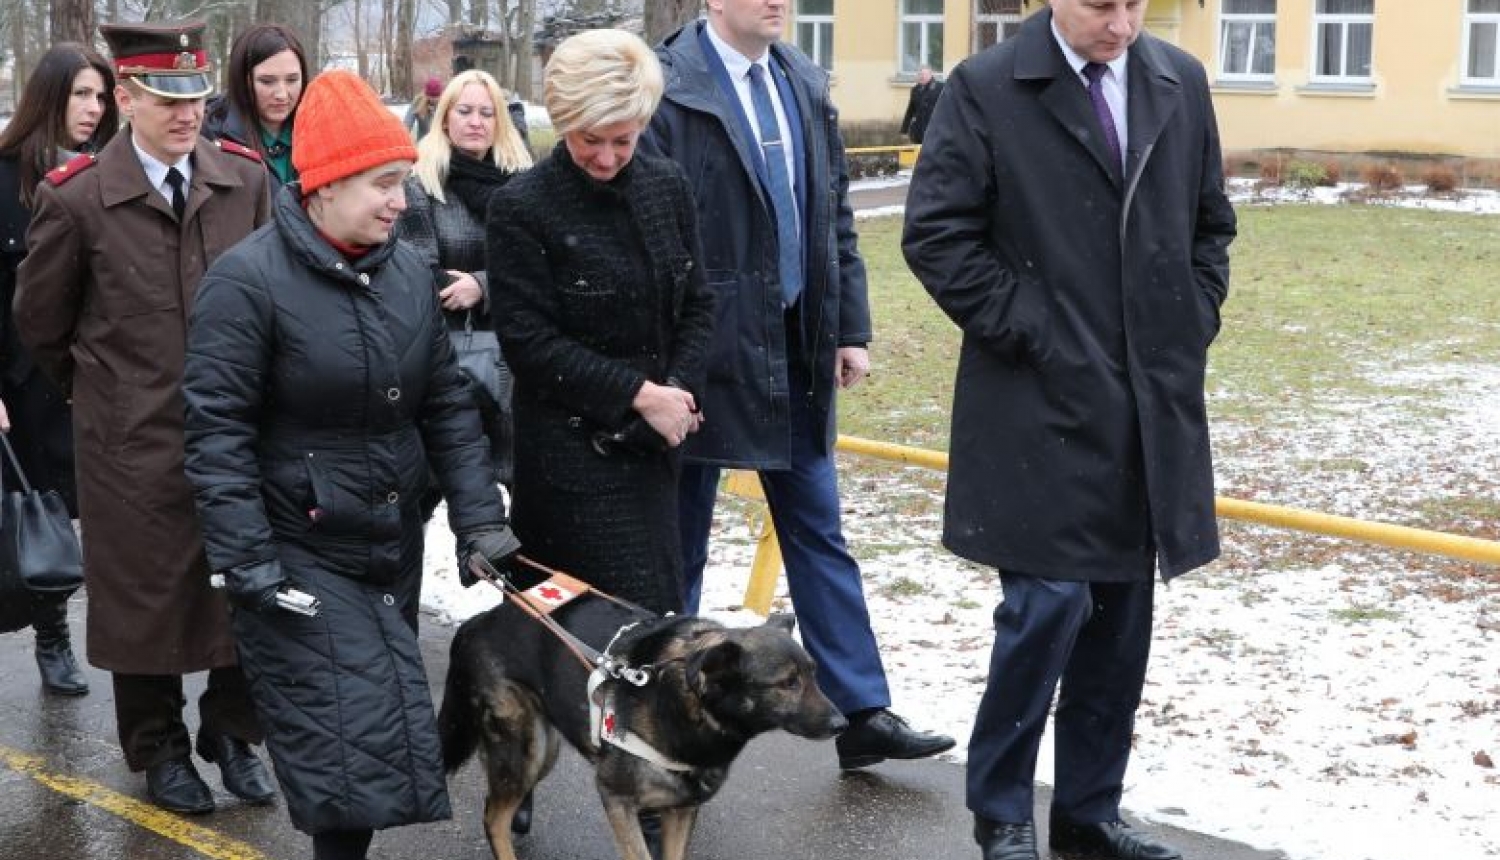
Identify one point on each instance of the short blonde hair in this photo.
(601, 77)
(435, 150)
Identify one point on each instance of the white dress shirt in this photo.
(738, 66)
(156, 172)
(1114, 87)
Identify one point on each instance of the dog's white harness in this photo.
(607, 727)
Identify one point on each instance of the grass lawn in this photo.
(1323, 299)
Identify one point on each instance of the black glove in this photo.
(254, 586)
(495, 545)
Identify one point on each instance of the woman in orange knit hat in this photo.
(320, 383)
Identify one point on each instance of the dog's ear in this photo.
(711, 665)
(783, 621)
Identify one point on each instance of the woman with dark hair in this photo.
(67, 108)
(262, 88)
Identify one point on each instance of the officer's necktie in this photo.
(788, 245)
(179, 202)
(1095, 73)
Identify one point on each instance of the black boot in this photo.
(520, 823)
(54, 652)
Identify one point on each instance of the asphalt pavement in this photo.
(65, 793)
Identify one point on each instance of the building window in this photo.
(995, 21)
(921, 35)
(1345, 38)
(815, 30)
(1482, 43)
(1247, 39)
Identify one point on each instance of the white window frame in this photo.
(820, 24)
(1257, 21)
(927, 20)
(999, 19)
(1472, 18)
(1345, 20)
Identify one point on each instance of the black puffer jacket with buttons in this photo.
(318, 391)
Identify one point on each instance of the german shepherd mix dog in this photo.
(513, 686)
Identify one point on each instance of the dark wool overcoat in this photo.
(747, 396)
(1087, 300)
(102, 302)
(919, 105)
(596, 288)
(318, 391)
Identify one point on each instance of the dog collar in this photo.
(606, 727)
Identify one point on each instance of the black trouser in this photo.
(148, 714)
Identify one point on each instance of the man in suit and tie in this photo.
(749, 119)
(1068, 213)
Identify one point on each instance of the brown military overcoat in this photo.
(102, 302)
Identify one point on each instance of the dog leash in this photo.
(592, 659)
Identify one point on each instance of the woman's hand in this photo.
(670, 411)
(4, 418)
(462, 294)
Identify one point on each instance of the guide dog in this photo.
(514, 686)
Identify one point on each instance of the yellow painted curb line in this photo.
(209, 843)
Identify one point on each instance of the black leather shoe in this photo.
(877, 734)
(174, 785)
(520, 823)
(1002, 840)
(1108, 840)
(241, 768)
(59, 668)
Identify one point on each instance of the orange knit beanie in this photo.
(343, 129)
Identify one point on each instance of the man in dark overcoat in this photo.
(1068, 213)
(749, 119)
(919, 104)
(118, 244)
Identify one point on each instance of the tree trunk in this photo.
(406, 22)
(523, 47)
(304, 17)
(663, 17)
(73, 21)
(455, 11)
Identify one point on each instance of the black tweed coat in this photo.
(594, 289)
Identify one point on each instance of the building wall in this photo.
(1415, 103)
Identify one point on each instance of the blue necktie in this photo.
(788, 245)
(1095, 73)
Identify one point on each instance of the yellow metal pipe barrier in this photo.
(767, 565)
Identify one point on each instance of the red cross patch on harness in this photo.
(610, 728)
(549, 594)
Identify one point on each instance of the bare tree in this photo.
(400, 56)
(73, 21)
(304, 17)
(663, 17)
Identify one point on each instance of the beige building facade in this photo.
(1412, 76)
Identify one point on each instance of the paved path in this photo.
(65, 794)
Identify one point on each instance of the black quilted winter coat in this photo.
(318, 390)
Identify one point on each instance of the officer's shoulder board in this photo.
(74, 166)
(230, 146)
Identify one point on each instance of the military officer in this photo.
(118, 244)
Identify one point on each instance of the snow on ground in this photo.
(1328, 699)
(1338, 710)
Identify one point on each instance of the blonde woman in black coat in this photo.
(471, 150)
(68, 106)
(600, 304)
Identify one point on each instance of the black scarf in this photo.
(474, 181)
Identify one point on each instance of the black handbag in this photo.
(479, 359)
(38, 545)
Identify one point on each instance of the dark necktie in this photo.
(788, 245)
(1095, 73)
(179, 202)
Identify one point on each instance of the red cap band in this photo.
(174, 62)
